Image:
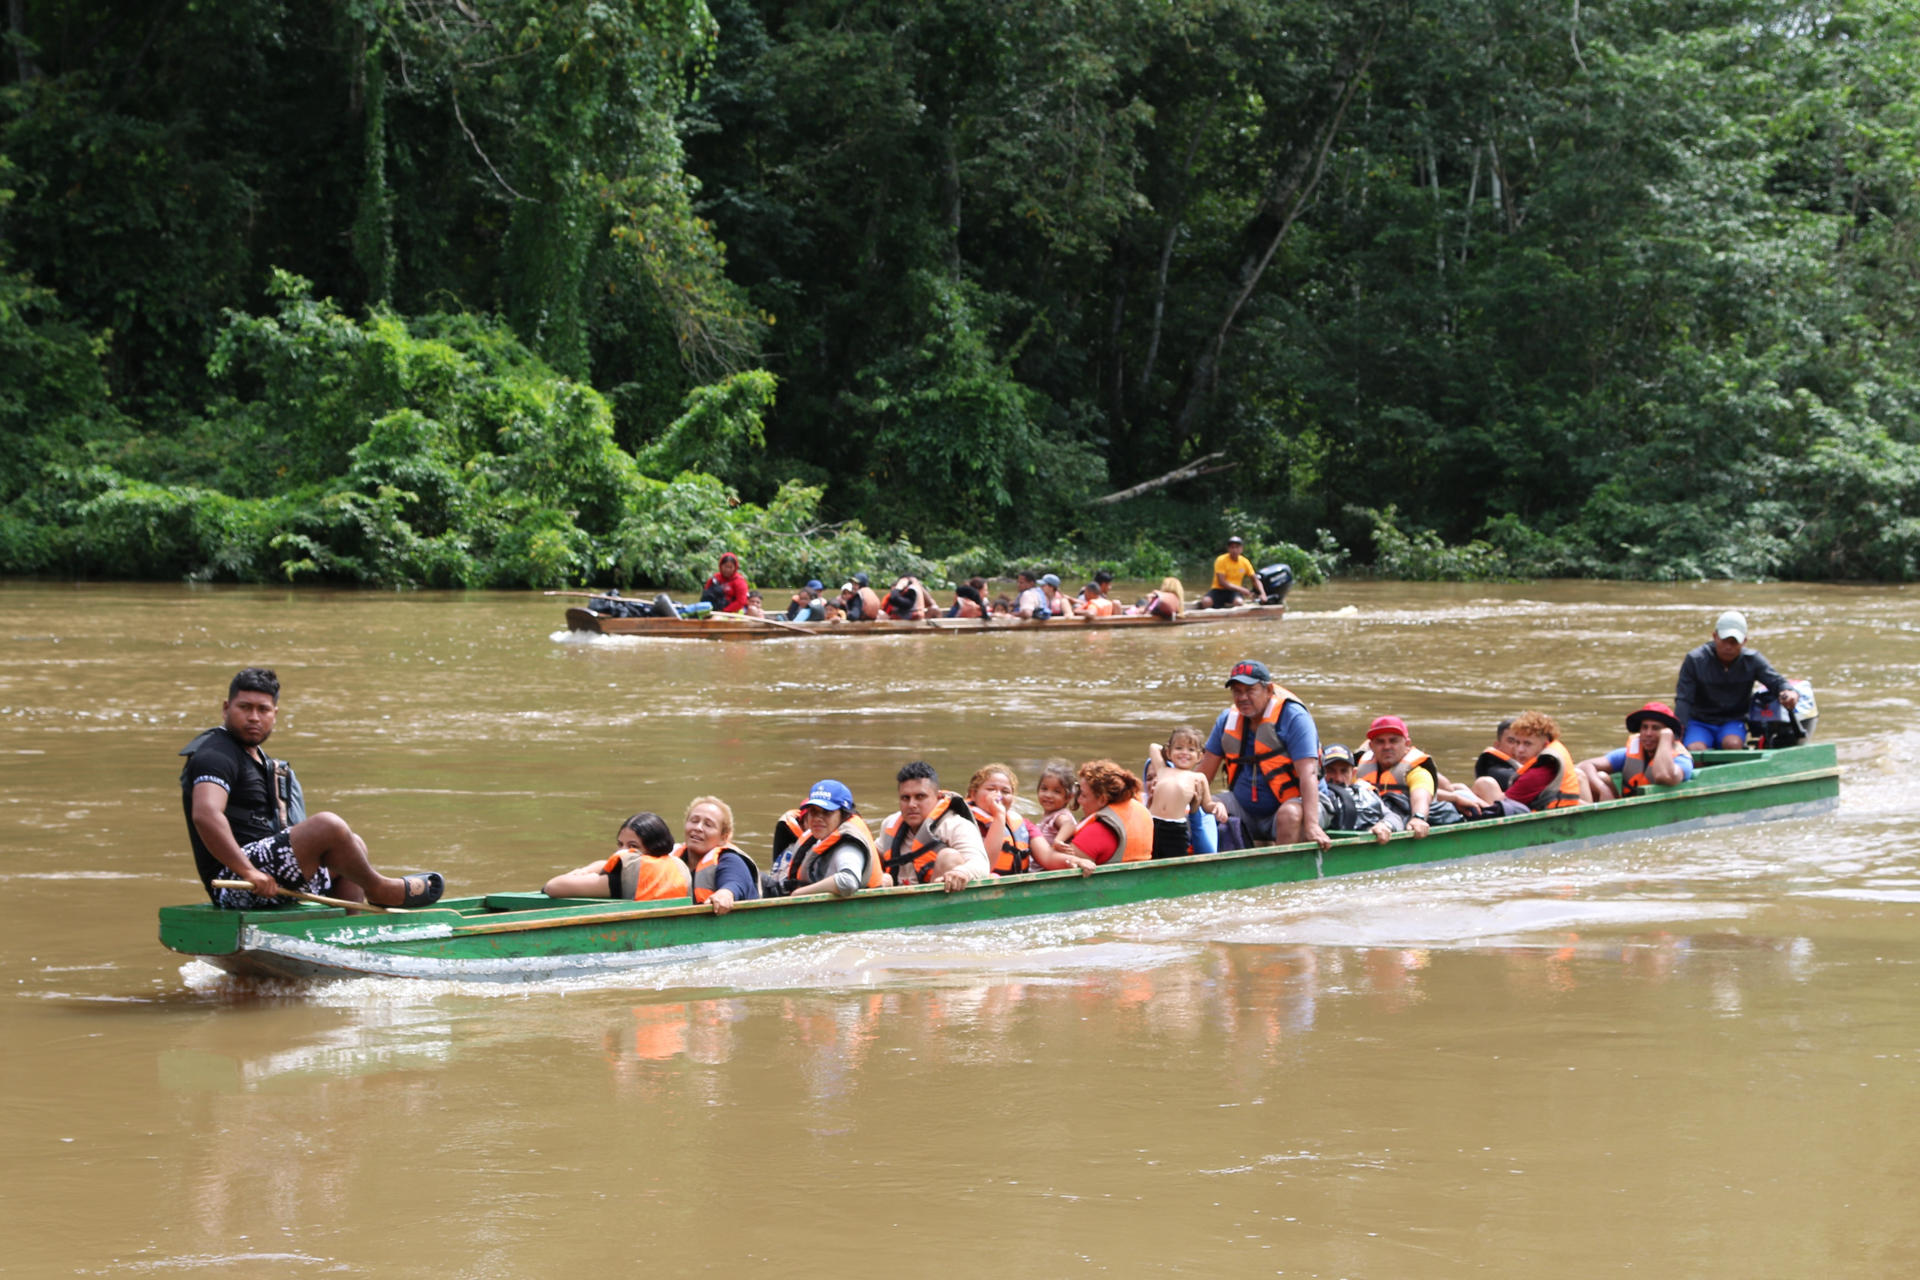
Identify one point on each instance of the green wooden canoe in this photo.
(527, 937)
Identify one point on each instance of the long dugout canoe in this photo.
(527, 937)
(733, 626)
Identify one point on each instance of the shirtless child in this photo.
(1176, 791)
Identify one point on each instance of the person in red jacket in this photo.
(727, 589)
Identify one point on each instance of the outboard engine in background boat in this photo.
(1771, 726)
(1276, 578)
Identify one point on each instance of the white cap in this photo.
(1732, 626)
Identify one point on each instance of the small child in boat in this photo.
(641, 869)
(1057, 785)
(1180, 799)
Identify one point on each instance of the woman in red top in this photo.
(1117, 827)
(727, 589)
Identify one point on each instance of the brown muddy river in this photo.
(1696, 1055)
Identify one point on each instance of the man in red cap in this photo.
(1653, 756)
(1406, 777)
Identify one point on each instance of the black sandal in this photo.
(436, 885)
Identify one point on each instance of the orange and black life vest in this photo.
(908, 858)
(1015, 853)
(808, 858)
(654, 875)
(1269, 754)
(1498, 765)
(1393, 782)
(1564, 791)
(1633, 770)
(706, 873)
(789, 830)
(1132, 826)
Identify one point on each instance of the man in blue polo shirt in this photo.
(1271, 749)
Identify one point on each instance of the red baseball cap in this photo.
(1387, 724)
(1655, 711)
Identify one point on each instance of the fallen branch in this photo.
(1198, 467)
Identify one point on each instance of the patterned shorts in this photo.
(274, 855)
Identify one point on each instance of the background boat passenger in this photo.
(1032, 602)
(727, 589)
(1096, 603)
(641, 869)
(756, 607)
(1164, 601)
(970, 600)
(837, 855)
(1115, 827)
(1234, 579)
(1271, 748)
(806, 605)
(1652, 757)
(1715, 687)
(1547, 777)
(1056, 793)
(247, 819)
(933, 835)
(909, 601)
(1057, 600)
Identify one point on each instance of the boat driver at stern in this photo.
(1271, 748)
(247, 819)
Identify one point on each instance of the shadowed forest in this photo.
(506, 293)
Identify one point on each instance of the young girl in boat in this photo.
(1056, 822)
(1163, 602)
(1179, 798)
(641, 869)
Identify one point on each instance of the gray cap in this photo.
(1732, 626)
(1050, 579)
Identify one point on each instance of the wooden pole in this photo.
(281, 891)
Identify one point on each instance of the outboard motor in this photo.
(1772, 726)
(1276, 578)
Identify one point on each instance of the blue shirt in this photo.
(1298, 737)
(1617, 760)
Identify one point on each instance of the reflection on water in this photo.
(1687, 1055)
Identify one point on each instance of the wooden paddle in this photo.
(281, 891)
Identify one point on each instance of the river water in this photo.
(1686, 1056)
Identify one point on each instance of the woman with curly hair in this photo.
(1117, 827)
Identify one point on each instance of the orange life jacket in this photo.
(1132, 827)
(1564, 791)
(1269, 755)
(809, 858)
(906, 852)
(1633, 770)
(706, 873)
(1098, 607)
(1015, 853)
(789, 830)
(1393, 782)
(654, 875)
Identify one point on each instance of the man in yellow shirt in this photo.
(1233, 579)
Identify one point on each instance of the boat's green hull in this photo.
(518, 937)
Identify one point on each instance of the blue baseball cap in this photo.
(1050, 579)
(814, 584)
(1249, 673)
(828, 794)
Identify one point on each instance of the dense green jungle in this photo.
(539, 292)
